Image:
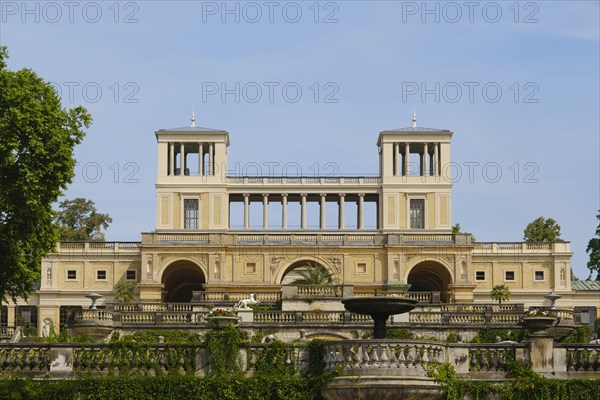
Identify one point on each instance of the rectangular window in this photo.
(71, 275)
(190, 213)
(4, 316)
(361, 268)
(250, 268)
(417, 213)
(101, 275)
(538, 276)
(509, 275)
(26, 316)
(130, 275)
(66, 315)
(480, 275)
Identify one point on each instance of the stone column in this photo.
(436, 156)
(322, 216)
(425, 159)
(182, 159)
(171, 158)
(303, 211)
(265, 211)
(361, 211)
(211, 166)
(406, 158)
(396, 159)
(200, 159)
(284, 211)
(246, 211)
(341, 222)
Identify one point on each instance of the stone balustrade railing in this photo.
(320, 291)
(582, 357)
(364, 358)
(380, 356)
(6, 332)
(196, 318)
(491, 357)
(303, 180)
(468, 307)
(233, 297)
(24, 359)
(465, 317)
(184, 314)
(305, 238)
(99, 247)
(152, 307)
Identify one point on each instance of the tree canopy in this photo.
(542, 230)
(78, 219)
(37, 138)
(500, 292)
(313, 274)
(593, 248)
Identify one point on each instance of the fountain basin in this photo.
(379, 308)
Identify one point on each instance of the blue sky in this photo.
(518, 83)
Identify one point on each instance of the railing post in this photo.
(158, 318)
(347, 317)
(298, 316)
(488, 317)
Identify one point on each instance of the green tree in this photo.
(500, 292)
(78, 219)
(456, 228)
(593, 248)
(124, 292)
(313, 274)
(542, 230)
(37, 138)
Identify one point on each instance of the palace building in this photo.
(224, 237)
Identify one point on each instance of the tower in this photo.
(190, 187)
(416, 191)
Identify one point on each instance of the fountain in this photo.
(379, 308)
(94, 297)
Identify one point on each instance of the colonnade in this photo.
(429, 159)
(340, 198)
(183, 150)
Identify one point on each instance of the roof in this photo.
(417, 129)
(190, 129)
(586, 286)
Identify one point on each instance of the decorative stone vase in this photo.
(222, 321)
(537, 324)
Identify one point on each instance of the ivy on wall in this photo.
(525, 384)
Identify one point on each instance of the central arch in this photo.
(430, 276)
(290, 274)
(180, 279)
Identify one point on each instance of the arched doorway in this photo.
(430, 276)
(307, 272)
(180, 279)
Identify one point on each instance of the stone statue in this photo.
(46, 328)
(243, 304)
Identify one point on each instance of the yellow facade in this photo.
(196, 246)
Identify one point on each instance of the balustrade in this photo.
(490, 357)
(410, 357)
(24, 359)
(319, 291)
(583, 357)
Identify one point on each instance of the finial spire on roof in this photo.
(193, 124)
(414, 119)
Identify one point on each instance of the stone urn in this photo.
(222, 321)
(538, 324)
